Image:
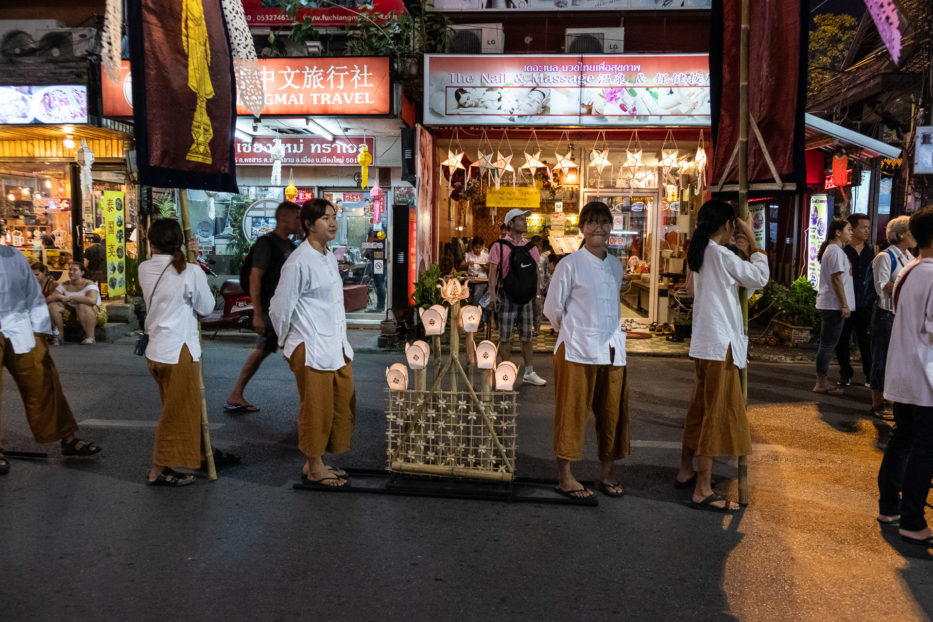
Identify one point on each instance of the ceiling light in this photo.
(11, 196)
(69, 142)
(318, 129)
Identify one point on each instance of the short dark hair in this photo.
(854, 218)
(312, 210)
(921, 225)
(285, 205)
(93, 237)
(477, 240)
(40, 267)
(80, 267)
(593, 210)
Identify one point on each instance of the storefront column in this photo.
(77, 213)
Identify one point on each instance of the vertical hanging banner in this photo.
(815, 233)
(112, 205)
(777, 89)
(183, 94)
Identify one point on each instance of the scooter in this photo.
(236, 313)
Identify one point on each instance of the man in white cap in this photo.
(513, 284)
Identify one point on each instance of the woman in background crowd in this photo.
(78, 296)
(834, 300)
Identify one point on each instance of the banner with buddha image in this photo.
(183, 94)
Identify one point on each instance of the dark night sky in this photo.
(852, 7)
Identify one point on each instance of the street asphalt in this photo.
(85, 539)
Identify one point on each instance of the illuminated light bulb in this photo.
(69, 142)
(11, 196)
(48, 183)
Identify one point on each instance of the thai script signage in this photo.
(295, 86)
(304, 151)
(620, 90)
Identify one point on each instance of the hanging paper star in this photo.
(599, 159)
(453, 161)
(564, 163)
(483, 163)
(633, 158)
(669, 159)
(533, 162)
(501, 165)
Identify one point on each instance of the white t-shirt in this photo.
(476, 263)
(908, 376)
(88, 290)
(834, 260)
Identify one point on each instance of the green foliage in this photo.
(238, 245)
(829, 43)
(427, 293)
(166, 207)
(795, 305)
(132, 277)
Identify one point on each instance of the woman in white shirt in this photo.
(716, 423)
(834, 300)
(80, 296)
(308, 316)
(885, 268)
(589, 358)
(176, 293)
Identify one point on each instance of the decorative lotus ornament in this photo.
(364, 159)
(397, 377)
(486, 355)
(470, 317)
(453, 291)
(417, 354)
(434, 320)
(506, 373)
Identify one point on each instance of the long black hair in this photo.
(713, 215)
(837, 225)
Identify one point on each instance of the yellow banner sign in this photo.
(506, 196)
(114, 220)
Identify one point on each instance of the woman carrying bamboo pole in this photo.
(308, 316)
(176, 293)
(716, 422)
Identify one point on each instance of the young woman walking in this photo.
(716, 422)
(834, 300)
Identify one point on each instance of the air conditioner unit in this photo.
(65, 42)
(477, 39)
(594, 40)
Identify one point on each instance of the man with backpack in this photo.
(860, 253)
(513, 285)
(260, 276)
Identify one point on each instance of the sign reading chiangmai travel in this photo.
(295, 86)
(594, 91)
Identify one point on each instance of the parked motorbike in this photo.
(237, 311)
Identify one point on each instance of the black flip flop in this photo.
(88, 448)
(316, 484)
(927, 542)
(707, 505)
(234, 409)
(4, 465)
(604, 488)
(570, 494)
(171, 478)
(690, 483)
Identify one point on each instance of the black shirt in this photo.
(96, 262)
(269, 255)
(861, 262)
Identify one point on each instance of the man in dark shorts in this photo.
(268, 256)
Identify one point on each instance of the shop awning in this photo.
(822, 134)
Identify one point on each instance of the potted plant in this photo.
(795, 315)
(683, 326)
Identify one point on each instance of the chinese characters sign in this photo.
(336, 13)
(114, 220)
(599, 91)
(304, 151)
(296, 86)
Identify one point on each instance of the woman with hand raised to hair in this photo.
(716, 422)
(308, 316)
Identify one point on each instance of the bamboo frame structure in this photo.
(453, 430)
(192, 257)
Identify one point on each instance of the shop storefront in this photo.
(631, 132)
(321, 114)
(46, 208)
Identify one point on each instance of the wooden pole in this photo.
(192, 258)
(743, 207)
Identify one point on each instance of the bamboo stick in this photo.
(743, 207)
(192, 258)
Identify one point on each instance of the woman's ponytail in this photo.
(837, 225)
(712, 215)
(179, 261)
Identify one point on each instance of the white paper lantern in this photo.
(434, 321)
(486, 355)
(417, 354)
(397, 377)
(506, 373)
(470, 317)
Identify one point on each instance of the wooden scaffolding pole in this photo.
(743, 208)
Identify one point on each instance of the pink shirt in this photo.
(496, 248)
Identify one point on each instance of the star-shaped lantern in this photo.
(669, 158)
(565, 162)
(533, 162)
(633, 158)
(453, 162)
(599, 159)
(501, 165)
(483, 163)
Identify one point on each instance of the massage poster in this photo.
(618, 90)
(114, 220)
(816, 231)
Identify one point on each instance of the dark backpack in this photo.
(520, 285)
(247, 266)
(870, 295)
